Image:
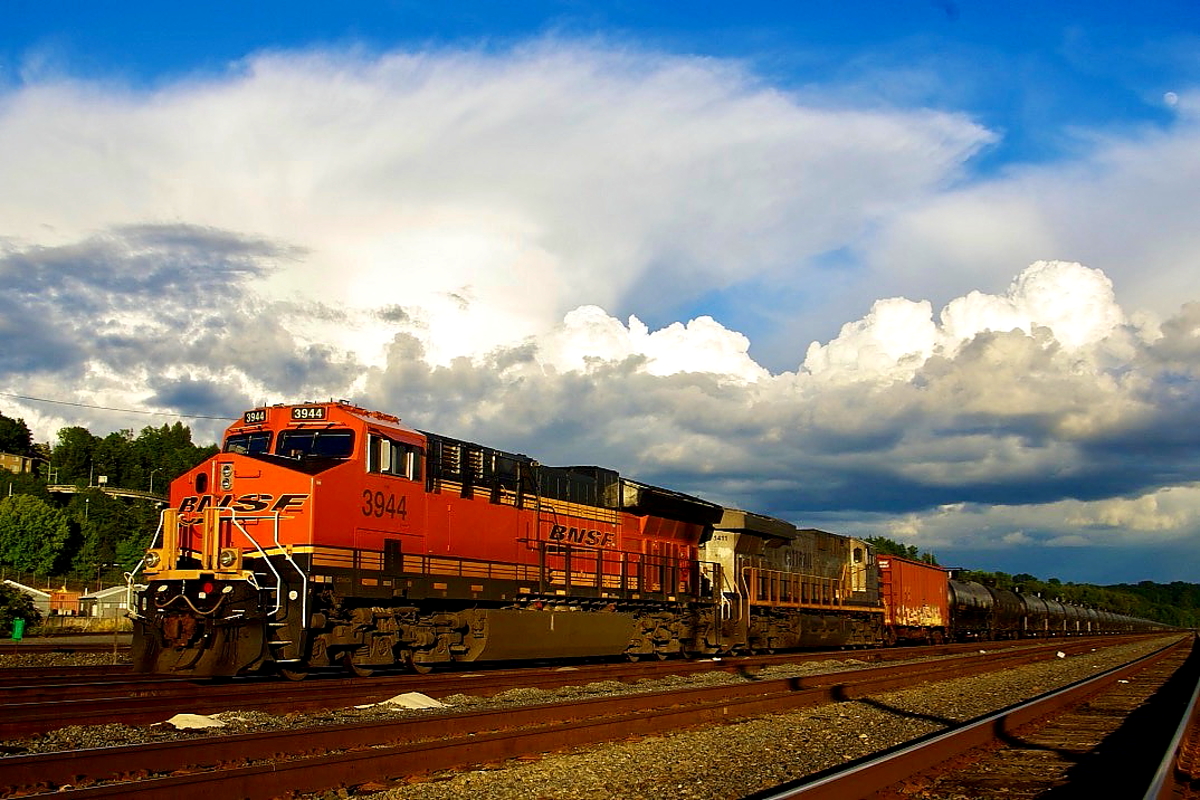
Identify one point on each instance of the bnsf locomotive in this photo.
(325, 534)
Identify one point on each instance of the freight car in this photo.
(325, 534)
(987, 614)
(916, 602)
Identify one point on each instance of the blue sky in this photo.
(915, 269)
(1031, 69)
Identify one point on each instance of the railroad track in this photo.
(36, 700)
(249, 765)
(1107, 736)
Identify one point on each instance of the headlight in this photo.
(227, 557)
(152, 559)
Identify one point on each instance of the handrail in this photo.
(130, 606)
(237, 522)
(303, 578)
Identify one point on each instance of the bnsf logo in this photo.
(594, 538)
(245, 502)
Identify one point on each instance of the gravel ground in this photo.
(76, 737)
(733, 760)
(8, 661)
(718, 762)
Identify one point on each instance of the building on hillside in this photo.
(15, 463)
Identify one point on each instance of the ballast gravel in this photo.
(711, 763)
(745, 756)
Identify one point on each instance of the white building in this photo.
(107, 604)
(41, 600)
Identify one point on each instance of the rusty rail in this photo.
(324, 758)
(876, 774)
(1179, 772)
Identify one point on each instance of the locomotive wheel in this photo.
(357, 670)
(419, 667)
(297, 673)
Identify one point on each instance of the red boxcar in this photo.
(916, 605)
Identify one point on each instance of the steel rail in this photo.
(877, 773)
(421, 744)
(38, 708)
(1174, 772)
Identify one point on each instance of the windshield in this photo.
(250, 444)
(315, 443)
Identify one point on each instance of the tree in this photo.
(15, 437)
(72, 456)
(16, 604)
(103, 523)
(112, 457)
(32, 533)
(22, 483)
(888, 547)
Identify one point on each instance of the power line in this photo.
(109, 408)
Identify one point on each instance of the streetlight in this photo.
(156, 469)
(100, 567)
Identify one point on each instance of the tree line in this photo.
(86, 537)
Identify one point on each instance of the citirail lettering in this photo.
(592, 538)
(246, 503)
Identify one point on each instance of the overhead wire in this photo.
(109, 408)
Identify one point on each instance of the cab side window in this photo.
(387, 457)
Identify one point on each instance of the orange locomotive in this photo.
(325, 534)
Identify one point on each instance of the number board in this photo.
(255, 417)
(308, 413)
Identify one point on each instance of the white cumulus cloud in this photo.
(1074, 303)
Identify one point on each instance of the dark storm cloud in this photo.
(199, 397)
(148, 299)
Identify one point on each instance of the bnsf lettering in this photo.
(586, 536)
(244, 503)
(252, 502)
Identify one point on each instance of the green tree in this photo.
(15, 604)
(111, 533)
(73, 455)
(32, 533)
(15, 437)
(888, 547)
(113, 458)
(23, 483)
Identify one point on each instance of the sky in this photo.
(922, 269)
